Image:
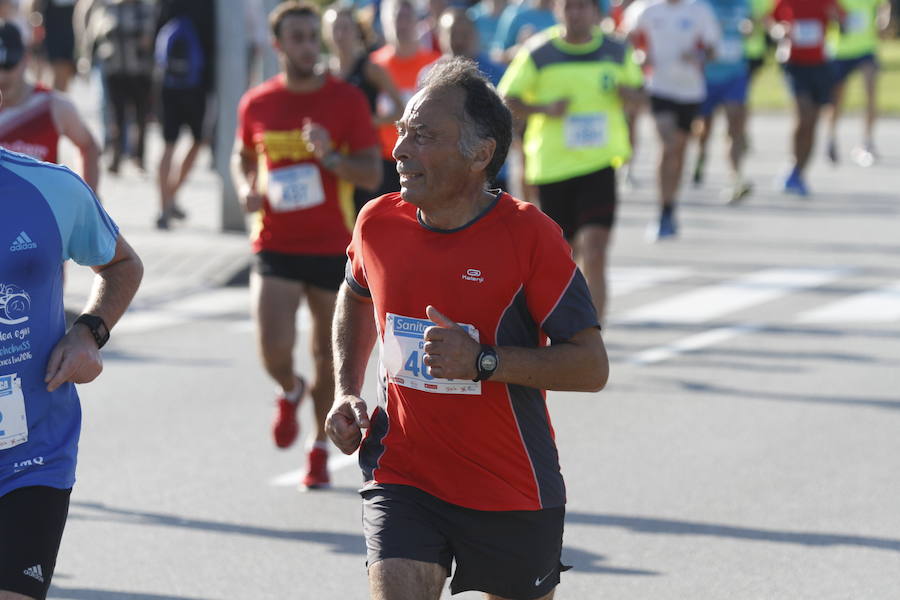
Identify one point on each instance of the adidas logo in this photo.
(22, 242)
(35, 572)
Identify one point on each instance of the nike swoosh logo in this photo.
(540, 580)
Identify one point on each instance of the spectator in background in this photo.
(57, 17)
(428, 25)
(403, 58)
(855, 48)
(520, 22)
(120, 33)
(486, 16)
(185, 52)
(348, 41)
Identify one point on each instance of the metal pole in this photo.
(231, 82)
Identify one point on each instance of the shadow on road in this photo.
(340, 543)
(90, 594)
(669, 527)
(584, 561)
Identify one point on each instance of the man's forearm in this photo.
(353, 337)
(243, 170)
(580, 365)
(362, 169)
(115, 284)
(90, 166)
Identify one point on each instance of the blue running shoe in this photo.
(794, 185)
(665, 229)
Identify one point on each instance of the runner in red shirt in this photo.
(467, 286)
(801, 50)
(403, 57)
(315, 137)
(33, 117)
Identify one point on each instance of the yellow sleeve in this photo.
(520, 78)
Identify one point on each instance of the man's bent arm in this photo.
(71, 125)
(353, 337)
(362, 168)
(579, 364)
(115, 284)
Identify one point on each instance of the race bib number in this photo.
(13, 424)
(857, 21)
(585, 131)
(403, 356)
(295, 188)
(807, 33)
(731, 51)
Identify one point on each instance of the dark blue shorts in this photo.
(843, 67)
(730, 91)
(815, 82)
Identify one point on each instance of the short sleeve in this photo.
(355, 272)
(359, 131)
(520, 77)
(87, 232)
(555, 290)
(244, 131)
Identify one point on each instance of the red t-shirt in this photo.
(308, 210)
(404, 72)
(808, 20)
(509, 275)
(28, 128)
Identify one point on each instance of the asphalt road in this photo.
(746, 446)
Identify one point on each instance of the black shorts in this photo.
(512, 554)
(59, 41)
(180, 108)
(586, 200)
(32, 520)
(326, 272)
(813, 82)
(685, 112)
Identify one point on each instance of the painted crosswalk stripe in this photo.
(713, 301)
(627, 280)
(692, 343)
(876, 306)
(335, 463)
(211, 304)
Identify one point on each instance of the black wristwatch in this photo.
(486, 363)
(97, 327)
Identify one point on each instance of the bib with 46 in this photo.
(403, 356)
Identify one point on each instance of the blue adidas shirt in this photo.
(730, 61)
(49, 216)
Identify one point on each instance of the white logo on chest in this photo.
(473, 275)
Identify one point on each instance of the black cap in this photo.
(11, 47)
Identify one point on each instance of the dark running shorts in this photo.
(32, 520)
(512, 554)
(586, 200)
(59, 40)
(182, 108)
(815, 82)
(326, 272)
(684, 112)
(844, 67)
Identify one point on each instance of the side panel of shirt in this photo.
(49, 215)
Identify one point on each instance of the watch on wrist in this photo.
(486, 363)
(97, 327)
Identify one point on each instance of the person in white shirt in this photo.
(677, 38)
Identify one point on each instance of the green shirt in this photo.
(593, 134)
(755, 44)
(860, 35)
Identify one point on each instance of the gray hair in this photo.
(485, 115)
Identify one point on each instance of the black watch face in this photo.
(488, 362)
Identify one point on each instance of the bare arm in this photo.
(76, 357)
(353, 337)
(244, 172)
(523, 110)
(362, 168)
(579, 364)
(70, 124)
(385, 85)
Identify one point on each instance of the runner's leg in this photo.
(275, 304)
(321, 305)
(404, 579)
(591, 243)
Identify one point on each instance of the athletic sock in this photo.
(320, 445)
(294, 394)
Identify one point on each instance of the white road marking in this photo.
(713, 301)
(336, 462)
(876, 306)
(632, 279)
(691, 343)
(211, 304)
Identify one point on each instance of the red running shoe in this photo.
(285, 427)
(317, 476)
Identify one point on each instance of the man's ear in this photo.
(484, 154)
